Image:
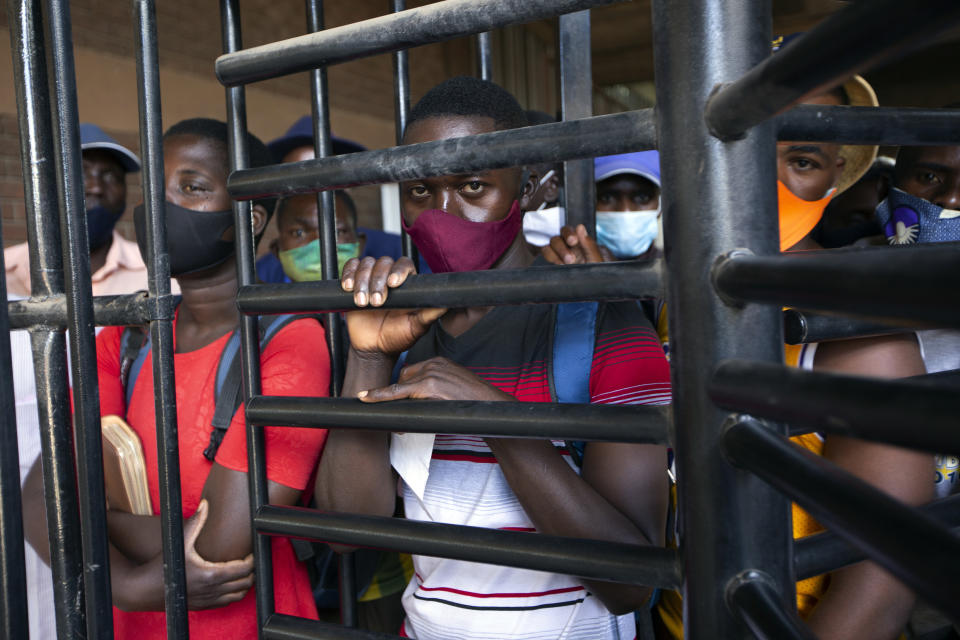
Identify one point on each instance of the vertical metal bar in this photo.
(725, 199)
(161, 329)
(249, 325)
(752, 597)
(76, 256)
(576, 100)
(326, 213)
(49, 346)
(13, 574)
(325, 200)
(485, 55)
(401, 92)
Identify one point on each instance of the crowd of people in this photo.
(830, 195)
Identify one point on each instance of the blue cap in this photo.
(301, 135)
(93, 137)
(645, 164)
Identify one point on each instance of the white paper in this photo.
(410, 455)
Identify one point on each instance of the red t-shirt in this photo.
(294, 363)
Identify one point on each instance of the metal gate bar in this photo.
(435, 22)
(756, 601)
(837, 48)
(899, 126)
(851, 406)
(596, 559)
(865, 517)
(576, 103)
(401, 106)
(161, 319)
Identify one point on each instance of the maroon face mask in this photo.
(449, 243)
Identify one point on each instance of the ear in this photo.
(259, 215)
(841, 163)
(528, 188)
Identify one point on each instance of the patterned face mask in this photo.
(907, 219)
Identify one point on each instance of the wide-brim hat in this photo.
(300, 134)
(93, 137)
(858, 158)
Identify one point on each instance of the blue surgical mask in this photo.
(907, 219)
(627, 234)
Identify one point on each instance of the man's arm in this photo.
(621, 496)
(864, 601)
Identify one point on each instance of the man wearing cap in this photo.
(628, 212)
(115, 262)
(296, 145)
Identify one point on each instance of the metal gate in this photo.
(721, 103)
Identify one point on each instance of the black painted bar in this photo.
(28, 48)
(606, 281)
(576, 102)
(614, 423)
(586, 138)
(161, 320)
(823, 57)
(591, 559)
(714, 200)
(895, 126)
(83, 353)
(51, 312)
(802, 327)
(249, 325)
(401, 105)
(919, 274)
(913, 546)
(436, 22)
(485, 56)
(823, 552)
(753, 597)
(851, 406)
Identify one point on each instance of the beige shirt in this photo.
(123, 271)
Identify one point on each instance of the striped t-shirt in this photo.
(509, 348)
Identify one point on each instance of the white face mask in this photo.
(541, 225)
(628, 234)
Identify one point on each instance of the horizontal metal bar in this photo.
(857, 407)
(393, 32)
(591, 559)
(613, 423)
(852, 281)
(803, 327)
(894, 126)
(585, 138)
(825, 56)
(129, 309)
(284, 627)
(910, 544)
(567, 283)
(824, 552)
(753, 597)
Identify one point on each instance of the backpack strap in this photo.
(227, 394)
(134, 347)
(574, 334)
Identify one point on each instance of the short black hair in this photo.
(468, 96)
(217, 131)
(351, 206)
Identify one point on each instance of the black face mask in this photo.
(845, 236)
(193, 237)
(100, 223)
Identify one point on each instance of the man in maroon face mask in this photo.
(474, 222)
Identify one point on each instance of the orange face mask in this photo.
(797, 217)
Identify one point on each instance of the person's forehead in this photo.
(448, 126)
(626, 182)
(939, 156)
(197, 152)
(102, 158)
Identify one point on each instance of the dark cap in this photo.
(301, 135)
(93, 137)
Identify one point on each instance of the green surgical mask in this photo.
(302, 264)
